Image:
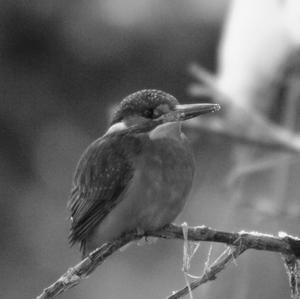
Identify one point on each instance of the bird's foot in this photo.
(147, 240)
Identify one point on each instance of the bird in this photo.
(138, 175)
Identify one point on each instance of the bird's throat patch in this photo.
(166, 130)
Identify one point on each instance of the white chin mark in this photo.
(120, 126)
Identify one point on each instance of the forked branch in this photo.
(283, 243)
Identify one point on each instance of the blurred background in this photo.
(66, 64)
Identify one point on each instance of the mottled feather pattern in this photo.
(136, 102)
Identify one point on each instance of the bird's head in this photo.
(155, 107)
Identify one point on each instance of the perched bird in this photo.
(138, 175)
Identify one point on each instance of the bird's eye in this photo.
(148, 113)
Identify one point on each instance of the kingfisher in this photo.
(138, 175)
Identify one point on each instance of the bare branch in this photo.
(284, 244)
(74, 275)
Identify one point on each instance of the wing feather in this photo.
(102, 174)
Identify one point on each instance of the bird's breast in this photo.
(162, 181)
(157, 192)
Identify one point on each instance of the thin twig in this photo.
(292, 266)
(210, 273)
(75, 274)
(250, 240)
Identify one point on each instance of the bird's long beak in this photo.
(192, 110)
(184, 112)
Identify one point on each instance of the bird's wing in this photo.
(102, 174)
